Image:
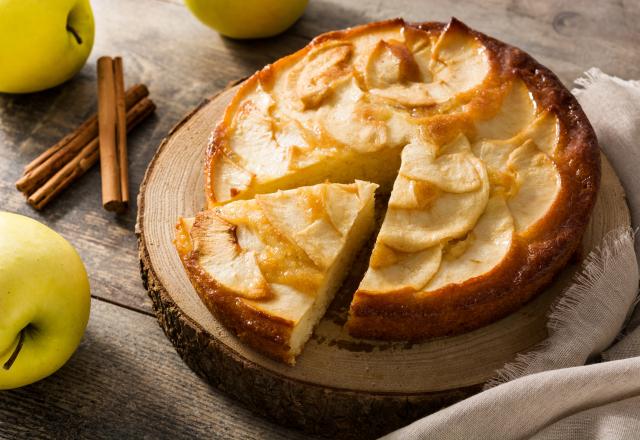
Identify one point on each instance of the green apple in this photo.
(43, 43)
(44, 300)
(248, 18)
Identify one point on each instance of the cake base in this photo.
(340, 386)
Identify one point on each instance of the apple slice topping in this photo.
(453, 172)
(316, 222)
(482, 250)
(393, 73)
(230, 178)
(391, 62)
(459, 62)
(216, 248)
(253, 141)
(517, 111)
(325, 66)
(441, 198)
(538, 184)
(391, 270)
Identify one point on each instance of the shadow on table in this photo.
(320, 17)
(328, 16)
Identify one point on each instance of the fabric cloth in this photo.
(583, 382)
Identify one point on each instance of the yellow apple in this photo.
(44, 300)
(43, 43)
(248, 18)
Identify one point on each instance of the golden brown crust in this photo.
(264, 333)
(535, 259)
(530, 265)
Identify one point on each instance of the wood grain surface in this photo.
(125, 382)
(182, 61)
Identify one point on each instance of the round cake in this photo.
(486, 164)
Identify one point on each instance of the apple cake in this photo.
(269, 267)
(488, 163)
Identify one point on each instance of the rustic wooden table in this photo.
(126, 380)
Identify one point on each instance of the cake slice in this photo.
(269, 267)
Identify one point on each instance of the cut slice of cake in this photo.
(269, 267)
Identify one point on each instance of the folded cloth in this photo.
(549, 393)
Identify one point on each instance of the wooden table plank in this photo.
(126, 381)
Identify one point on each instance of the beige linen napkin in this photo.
(550, 393)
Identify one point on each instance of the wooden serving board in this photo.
(340, 385)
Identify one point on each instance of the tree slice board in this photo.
(340, 386)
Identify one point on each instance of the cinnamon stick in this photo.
(51, 160)
(121, 130)
(67, 174)
(85, 159)
(109, 166)
(51, 151)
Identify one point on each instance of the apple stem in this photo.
(74, 33)
(7, 365)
